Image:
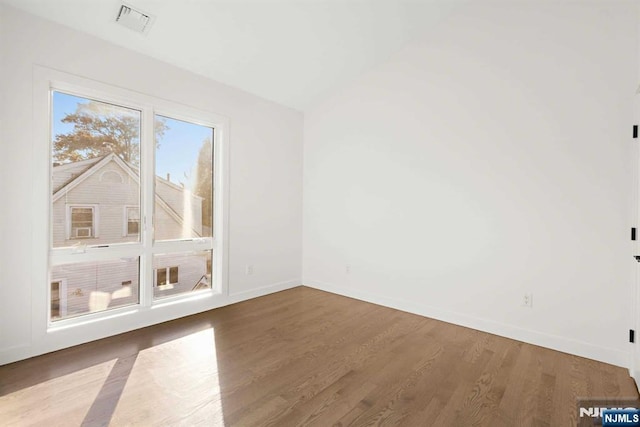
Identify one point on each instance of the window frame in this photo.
(76, 330)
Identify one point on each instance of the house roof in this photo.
(64, 173)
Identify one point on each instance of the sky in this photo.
(179, 147)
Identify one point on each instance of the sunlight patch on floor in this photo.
(66, 397)
(174, 383)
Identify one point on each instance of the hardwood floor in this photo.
(305, 357)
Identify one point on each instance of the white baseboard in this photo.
(264, 290)
(554, 342)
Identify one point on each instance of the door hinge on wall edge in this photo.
(635, 131)
(633, 233)
(632, 336)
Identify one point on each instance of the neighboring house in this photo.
(96, 202)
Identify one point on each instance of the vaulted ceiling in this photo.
(293, 52)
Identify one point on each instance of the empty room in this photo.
(319, 212)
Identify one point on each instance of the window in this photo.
(179, 273)
(82, 219)
(58, 301)
(132, 202)
(132, 220)
(161, 277)
(173, 275)
(55, 298)
(163, 273)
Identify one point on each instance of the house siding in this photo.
(175, 197)
(111, 189)
(98, 285)
(110, 198)
(166, 227)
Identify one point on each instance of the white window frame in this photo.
(125, 226)
(63, 333)
(96, 220)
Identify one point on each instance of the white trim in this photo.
(555, 342)
(95, 253)
(263, 290)
(220, 208)
(148, 197)
(634, 293)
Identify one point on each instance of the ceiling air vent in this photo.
(134, 19)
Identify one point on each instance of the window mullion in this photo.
(147, 173)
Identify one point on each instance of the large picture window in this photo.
(132, 202)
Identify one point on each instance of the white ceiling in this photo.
(293, 52)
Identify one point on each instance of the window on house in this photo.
(173, 275)
(55, 299)
(179, 273)
(82, 222)
(133, 220)
(161, 277)
(167, 276)
(109, 180)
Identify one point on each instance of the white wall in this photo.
(490, 158)
(265, 163)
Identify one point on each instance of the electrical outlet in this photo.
(347, 269)
(527, 300)
(249, 270)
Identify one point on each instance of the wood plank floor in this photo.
(304, 357)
